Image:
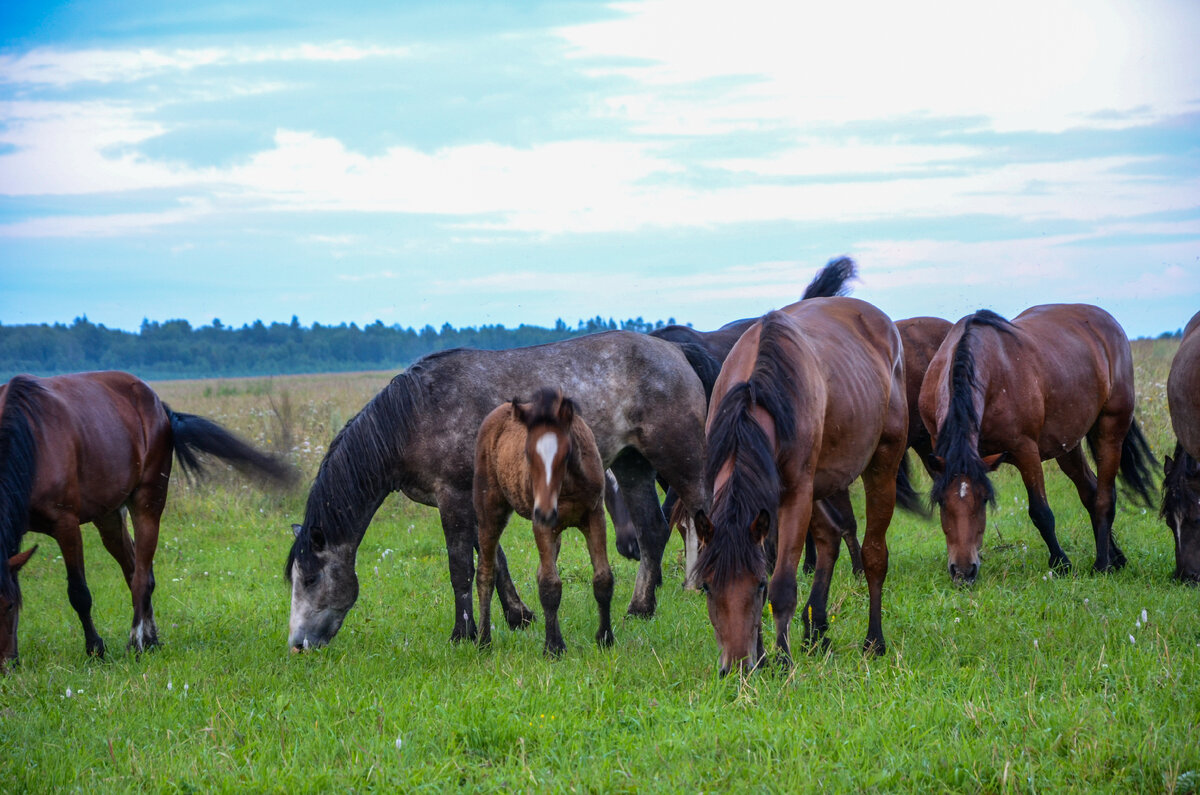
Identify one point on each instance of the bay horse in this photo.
(540, 460)
(1181, 486)
(922, 336)
(833, 279)
(810, 399)
(1024, 392)
(644, 404)
(91, 447)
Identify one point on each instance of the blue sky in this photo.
(493, 162)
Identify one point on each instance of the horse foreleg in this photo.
(549, 587)
(823, 535)
(70, 542)
(794, 514)
(492, 519)
(879, 484)
(602, 576)
(1028, 461)
(618, 511)
(458, 527)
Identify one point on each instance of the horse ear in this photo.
(761, 526)
(704, 527)
(518, 412)
(296, 528)
(566, 411)
(937, 464)
(21, 558)
(992, 462)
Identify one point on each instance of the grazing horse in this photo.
(831, 280)
(540, 460)
(644, 404)
(809, 399)
(921, 337)
(1181, 486)
(1028, 391)
(89, 448)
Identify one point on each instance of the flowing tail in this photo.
(195, 435)
(906, 496)
(831, 280)
(1136, 473)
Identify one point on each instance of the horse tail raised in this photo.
(195, 435)
(831, 280)
(18, 465)
(1135, 465)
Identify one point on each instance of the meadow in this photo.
(1024, 682)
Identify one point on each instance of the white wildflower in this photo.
(169, 685)
(69, 693)
(1145, 616)
(1131, 639)
(399, 742)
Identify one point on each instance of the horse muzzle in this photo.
(964, 575)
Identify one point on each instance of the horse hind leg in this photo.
(145, 508)
(117, 541)
(70, 542)
(1106, 442)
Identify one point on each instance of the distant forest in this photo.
(174, 349)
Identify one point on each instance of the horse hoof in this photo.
(520, 620)
(1060, 565)
(875, 647)
(605, 638)
(641, 610)
(554, 650)
(460, 634)
(630, 551)
(96, 649)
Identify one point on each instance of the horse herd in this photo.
(755, 430)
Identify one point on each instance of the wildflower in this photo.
(1035, 643)
(399, 742)
(1131, 640)
(69, 694)
(169, 686)
(1145, 617)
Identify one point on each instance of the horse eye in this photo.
(311, 579)
(762, 588)
(704, 588)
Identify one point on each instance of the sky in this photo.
(505, 162)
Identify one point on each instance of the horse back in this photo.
(99, 436)
(1183, 389)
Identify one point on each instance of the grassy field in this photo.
(1024, 682)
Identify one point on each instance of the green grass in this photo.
(1024, 682)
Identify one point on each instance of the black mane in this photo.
(355, 474)
(18, 465)
(1177, 493)
(754, 484)
(958, 438)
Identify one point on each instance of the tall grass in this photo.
(1025, 682)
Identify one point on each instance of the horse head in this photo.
(734, 581)
(10, 607)
(1181, 510)
(324, 587)
(547, 420)
(963, 498)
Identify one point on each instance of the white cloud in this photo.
(1024, 65)
(50, 66)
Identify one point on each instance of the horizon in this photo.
(488, 163)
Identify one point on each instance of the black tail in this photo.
(831, 280)
(1135, 465)
(906, 496)
(195, 435)
(18, 465)
(705, 365)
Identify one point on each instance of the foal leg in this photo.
(549, 586)
(70, 541)
(602, 576)
(1029, 462)
(492, 519)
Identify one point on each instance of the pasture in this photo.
(1024, 682)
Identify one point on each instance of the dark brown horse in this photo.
(833, 279)
(921, 337)
(89, 448)
(1026, 392)
(809, 399)
(540, 460)
(1181, 486)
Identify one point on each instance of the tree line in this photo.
(174, 349)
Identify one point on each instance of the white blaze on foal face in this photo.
(547, 448)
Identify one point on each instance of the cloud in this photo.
(56, 67)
